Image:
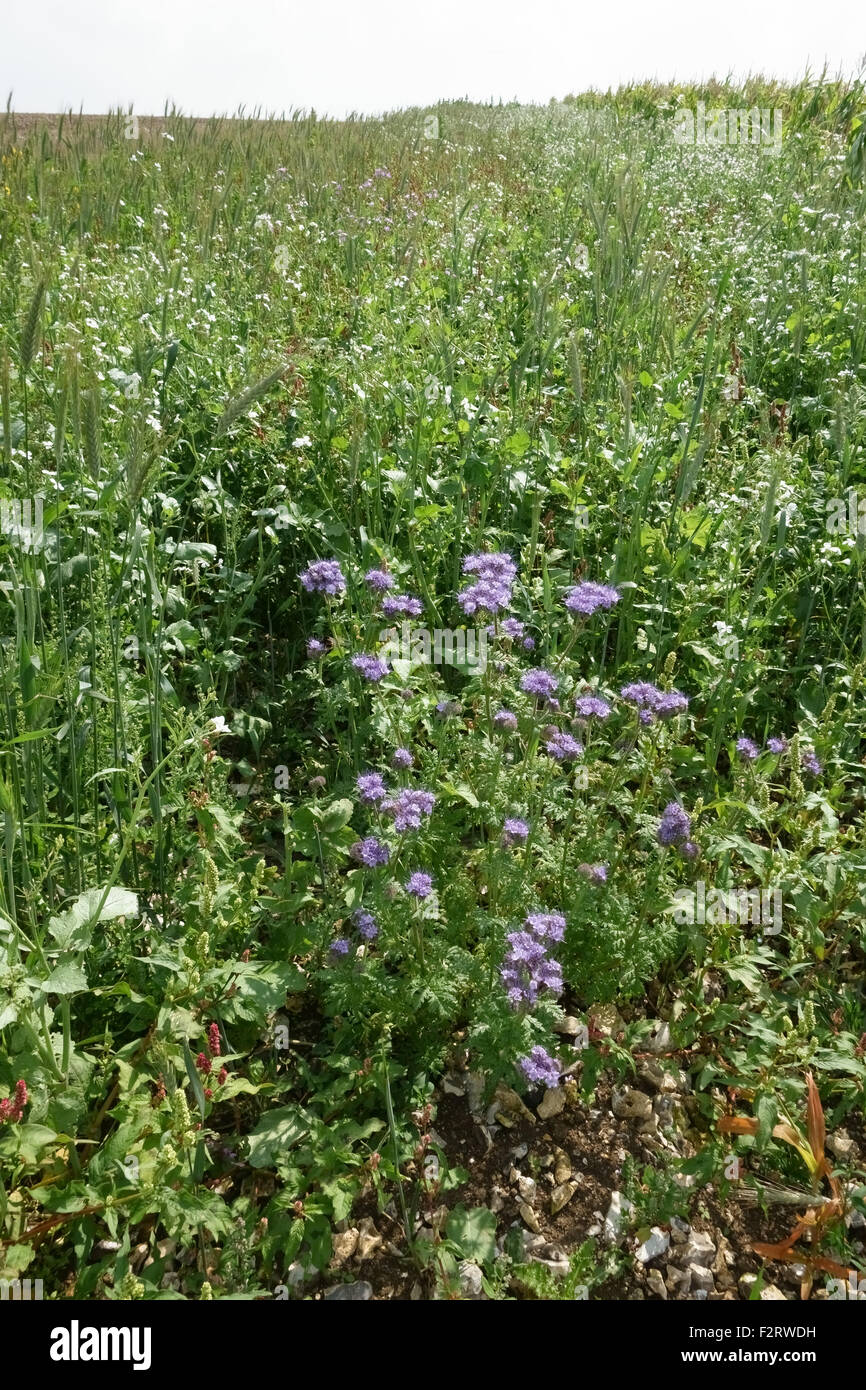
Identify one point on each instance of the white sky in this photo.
(374, 55)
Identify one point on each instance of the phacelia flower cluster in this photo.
(653, 703)
(370, 852)
(409, 808)
(419, 885)
(371, 788)
(563, 747)
(591, 707)
(396, 605)
(540, 1069)
(675, 826)
(323, 577)
(372, 668)
(588, 598)
(540, 683)
(380, 580)
(528, 969)
(514, 832)
(495, 574)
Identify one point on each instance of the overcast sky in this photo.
(374, 55)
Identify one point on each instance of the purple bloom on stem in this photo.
(504, 719)
(372, 668)
(323, 577)
(747, 750)
(669, 703)
(540, 1068)
(340, 947)
(591, 707)
(365, 924)
(512, 627)
(548, 925)
(409, 807)
(539, 682)
(445, 708)
(777, 745)
(379, 580)
(514, 832)
(371, 788)
(401, 758)
(315, 647)
(596, 873)
(529, 644)
(812, 765)
(563, 747)
(690, 850)
(587, 598)
(419, 885)
(396, 604)
(495, 575)
(370, 852)
(675, 825)
(654, 703)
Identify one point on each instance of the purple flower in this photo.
(539, 682)
(315, 647)
(370, 852)
(811, 765)
(540, 1068)
(777, 745)
(372, 668)
(529, 644)
(591, 707)
(379, 580)
(596, 873)
(323, 577)
(514, 832)
(587, 598)
(495, 575)
(504, 719)
(401, 758)
(365, 924)
(395, 604)
(548, 925)
(371, 788)
(747, 750)
(690, 850)
(512, 627)
(446, 708)
(419, 885)
(409, 807)
(675, 825)
(563, 747)
(340, 946)
(654, 703)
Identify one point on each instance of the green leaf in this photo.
(194, 1078)
(66, 978)
(275, 1133)
(474, 1232)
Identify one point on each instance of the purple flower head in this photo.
(690, 850)
(504, 719)
(777, 745)
(315, 647)
(747, 750)
(529, 644)
(323, 577)
(539, 682)
(495, 574)
(401, 758)
(419, 885)
(446, 708)
(395, 604)
(654, 703)
(587, 598)
(540, 1069)
(591, 707)
(371, 788)
(549, 926)
(340, 946)
(409, 808)
(365, 924)
(514, 832)
(671, 702)
(372, 668)
(512, 627)
(563, 747)
(370, 852)
(596, 873)
(380, 580)
(812, 765)
(675, 825)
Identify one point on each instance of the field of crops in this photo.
(432, 700)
